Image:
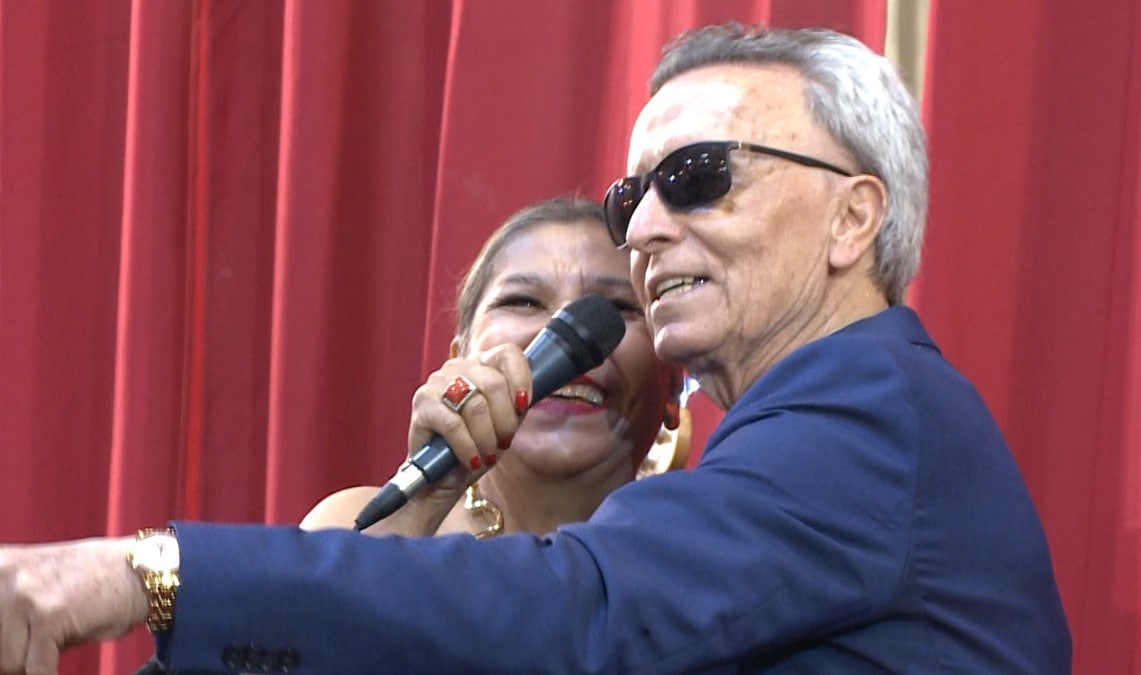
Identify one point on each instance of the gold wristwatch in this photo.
(154, 557)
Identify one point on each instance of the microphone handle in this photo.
(430, 463)
(554, 360)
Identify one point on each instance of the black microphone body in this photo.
(577, 339)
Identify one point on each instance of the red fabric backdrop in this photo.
(1031, 281)
(230, 231)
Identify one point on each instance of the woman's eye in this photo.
(517, 300)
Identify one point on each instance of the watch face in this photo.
(157, 552)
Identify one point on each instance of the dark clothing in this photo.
(857, 511)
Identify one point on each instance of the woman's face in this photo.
(605, 421)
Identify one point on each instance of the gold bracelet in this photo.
(154, 558)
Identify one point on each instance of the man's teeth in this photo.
(583, 392)
(677, 285)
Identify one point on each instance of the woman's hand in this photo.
(478, 433)
(485, 423)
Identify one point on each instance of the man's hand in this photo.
(53, 596)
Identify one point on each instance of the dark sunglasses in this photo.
(693, 175)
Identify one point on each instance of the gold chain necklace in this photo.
(482, 507)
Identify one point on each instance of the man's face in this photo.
(758, 256)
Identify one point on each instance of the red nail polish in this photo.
(521, 401)
(475, 463)
(505, 443)
(491, 459)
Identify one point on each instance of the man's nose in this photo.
(653, 223)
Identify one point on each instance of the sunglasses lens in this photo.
(694, 175)
(621, 200)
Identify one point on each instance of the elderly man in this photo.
(856, 511)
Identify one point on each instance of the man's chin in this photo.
(675, 345)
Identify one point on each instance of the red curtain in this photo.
(230, 232)
(1031, 281)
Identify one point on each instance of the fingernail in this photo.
(505, 443)
(475, 463)
(491, 458)
(521, 401)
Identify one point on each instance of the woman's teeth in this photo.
(581, 392)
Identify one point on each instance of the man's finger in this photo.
(13, 643)
(43, 654)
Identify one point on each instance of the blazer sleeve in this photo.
(795, 522)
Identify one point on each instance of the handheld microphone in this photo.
(577, 339)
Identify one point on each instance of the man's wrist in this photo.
(154, 557)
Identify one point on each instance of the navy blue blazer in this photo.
(857, 511)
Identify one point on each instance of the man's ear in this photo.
(454, 349)
(859, 221)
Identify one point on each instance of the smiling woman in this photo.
(575, 446)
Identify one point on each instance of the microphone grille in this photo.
(596, 324)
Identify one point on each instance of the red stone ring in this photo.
(458, 392)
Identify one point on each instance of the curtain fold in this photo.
(358, 148)
(231, 233)
(153, 350)
(237, 81)
(61, 172)
(1030, 277)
